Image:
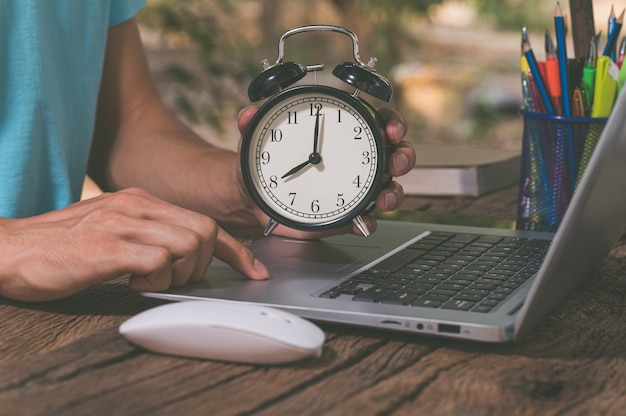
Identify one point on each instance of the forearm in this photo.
(160, 154)
(138, 142)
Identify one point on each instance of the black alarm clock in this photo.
(314, 157)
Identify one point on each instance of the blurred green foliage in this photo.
(514, 14)
(232, 36)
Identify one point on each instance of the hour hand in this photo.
(314, 159)
(296, 169)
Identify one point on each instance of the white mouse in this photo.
(225, 331)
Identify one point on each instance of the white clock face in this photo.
(313, 158)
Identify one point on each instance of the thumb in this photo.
(244, 117)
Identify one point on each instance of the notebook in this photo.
(341, 279)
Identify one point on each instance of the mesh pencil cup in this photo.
(555, 152)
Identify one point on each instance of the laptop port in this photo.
(449, 329)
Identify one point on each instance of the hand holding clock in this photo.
(400, 162)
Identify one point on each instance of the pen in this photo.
(578, 108)
(611, 42)
(562, 57)
(525, 70)
(609, 29)
(621, 79)
(611, 20)
(552, 77)
(589, 77)
(523, 62)
(536, 74)
(621, 53)
(534, 100)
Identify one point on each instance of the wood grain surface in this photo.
(67, 358)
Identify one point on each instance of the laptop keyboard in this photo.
(467, 272)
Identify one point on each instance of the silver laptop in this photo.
(367, 281)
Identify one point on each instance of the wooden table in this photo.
(66, 357)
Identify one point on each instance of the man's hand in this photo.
(129, 232)
(401, 161)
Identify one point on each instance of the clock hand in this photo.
(314, 159)
(296, 169)
(316, 134)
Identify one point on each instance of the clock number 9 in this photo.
(265, 158)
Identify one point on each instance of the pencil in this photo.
(534, 70)
(562, 57)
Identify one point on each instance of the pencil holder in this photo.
(555, 153)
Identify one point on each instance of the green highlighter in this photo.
(605, 87)
(589, 78)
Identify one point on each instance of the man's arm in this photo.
(138, 142)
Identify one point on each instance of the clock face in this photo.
(313, 156)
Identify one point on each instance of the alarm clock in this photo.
(314, 157)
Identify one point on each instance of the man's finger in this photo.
(239, 257)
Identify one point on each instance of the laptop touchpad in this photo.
(315, 256)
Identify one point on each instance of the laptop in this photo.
(343, 279)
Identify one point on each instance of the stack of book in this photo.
(459, 170)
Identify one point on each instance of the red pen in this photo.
(622, 52)
(552, 77)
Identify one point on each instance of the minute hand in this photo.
(316, 133)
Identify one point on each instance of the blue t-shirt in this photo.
(51, 58)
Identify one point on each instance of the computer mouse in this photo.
(225, 331)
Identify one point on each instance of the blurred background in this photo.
(454, 64)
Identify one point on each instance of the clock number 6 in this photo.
(315, 207)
